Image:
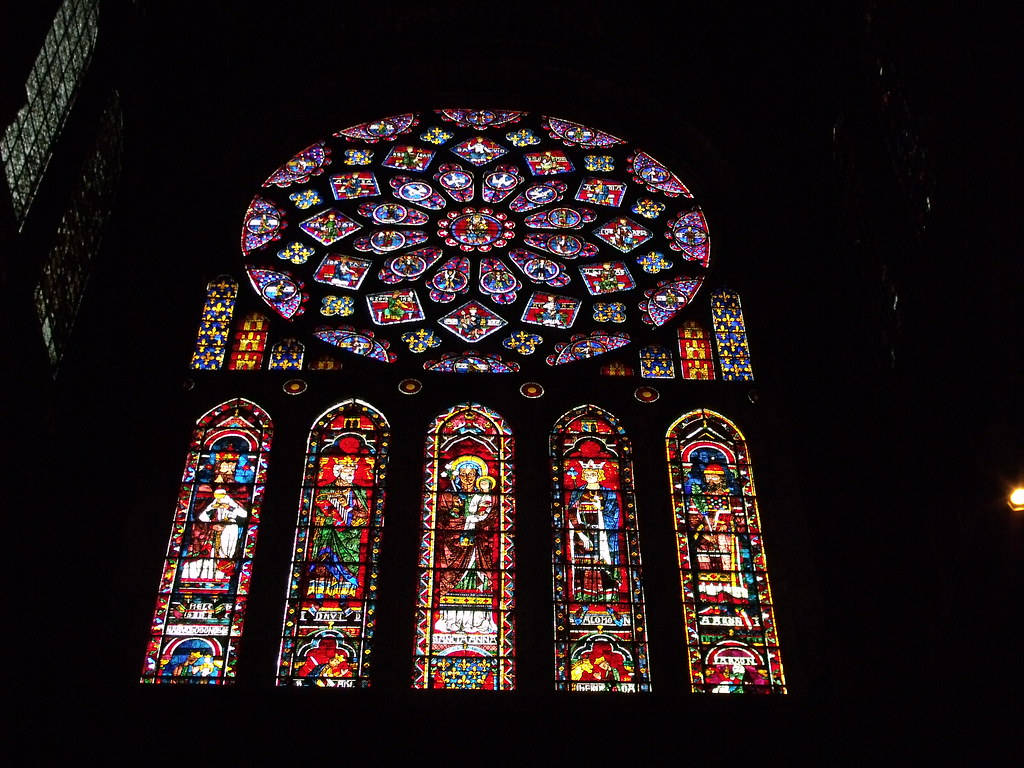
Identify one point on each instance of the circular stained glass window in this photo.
(475, 241)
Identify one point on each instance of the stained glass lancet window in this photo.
(286, 355)
(732, 640)
(695, 351)
(731, 336)
(600, 626)
(250, 342)
(464, 623)
(215, 324)
(200, 606)
(331, 611)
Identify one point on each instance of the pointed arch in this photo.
(600, 621)
(286, 355)
(249, 343)
(215, 324)
(465, 629)
(331, 609)
(732, 641)
(200, 608)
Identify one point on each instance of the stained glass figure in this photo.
(390, 307)
(656, 362)
(523, 342)
(465, 636)
(472, 322)
(584, 345)
(561, 218)
(357, 342)
(405, 157)
(479, 150)
(607, 277)
(688, 233)
(325, 363)
(551, 310)
(342, 271)
(574, 134)
(536, 195)
(330, 226)
(499, 183)
(389, 129)
(498, 282)
(201, 600)
(481, 118)
(286, 355)
(731, 637)
(451, 279)
(214, 324)
(393, 214)
(695, 351)
(548, 162)
(456, 181)
(249, 343)
(540, 269)
(421, 339)
(282, 292)
(263, 223)
(296, 253)
(566, 246)
(302, 167)
(408, 266)
(609, 312)
(664, 301)
(601, 192)
(331, 611)
(623, 234)
(657, 178)
(731, 336)
(417, 192)
(471, 362)
(384, 241)
(600, 622)
(350, 186)
(470, 229)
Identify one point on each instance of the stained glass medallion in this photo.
(392, 219)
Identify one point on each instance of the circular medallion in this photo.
(646, 394)
(385, 240)
(410, 386)
(390, 213)
(539, 195)
(565, 245)
(279, 290)
(531, 389)
(476, 229)
(414, 191)
(456, 180)
(294, 386)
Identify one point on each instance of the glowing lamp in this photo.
(1016, 500)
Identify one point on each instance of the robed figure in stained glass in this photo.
(710, 517)
(340, 520)
(593, 541)
(466, 545)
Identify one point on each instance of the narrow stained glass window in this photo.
(200, 607)
(286, 355)
(600, 626)
(695, 351)
(249, 343)
(731, 336)
(331, 611)
(732, 641)
(215, 324)
(464, 622)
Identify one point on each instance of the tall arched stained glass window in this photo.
(200, 607)
(600, 626)
(727, 603)
(215, 324)
(465, 634)
(331, 612)
(249, 343)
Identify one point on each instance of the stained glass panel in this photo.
(200, 607)
(331, 612)
(286, 355)
(731, 336)
(732, 641)
(249, 343)
(215, 324)
(465, 628)
(600, 625)
(695, 351)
